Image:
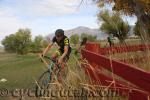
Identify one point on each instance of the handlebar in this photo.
(55, 61)
(49, 58)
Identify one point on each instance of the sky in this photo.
(43, 17)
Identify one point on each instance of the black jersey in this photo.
(64, 42)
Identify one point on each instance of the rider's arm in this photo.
(65, 52)
(47, 49)
(66, 47)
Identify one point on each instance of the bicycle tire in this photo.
(43, 83)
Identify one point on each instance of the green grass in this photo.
(19, 71)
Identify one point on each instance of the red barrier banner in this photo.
(130, 73)
(116, 86)
(121, 49)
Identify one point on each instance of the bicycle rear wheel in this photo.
(43, 83)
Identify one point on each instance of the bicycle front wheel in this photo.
(43, 83)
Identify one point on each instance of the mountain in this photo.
(81, 29)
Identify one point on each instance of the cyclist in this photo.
(110, 41)
(64, 47)
(82, 44)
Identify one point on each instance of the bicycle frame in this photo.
(51, 65)
(52, 73)
(47, 76)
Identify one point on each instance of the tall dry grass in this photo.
(80, 85)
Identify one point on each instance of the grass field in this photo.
(104, 43)
(21, 71)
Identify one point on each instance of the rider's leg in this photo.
(64, 63)
(56, 54)
(66, 58)
(62, 71)
(54, 57)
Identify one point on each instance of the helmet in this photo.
(59, 32)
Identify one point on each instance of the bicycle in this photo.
(47, 77)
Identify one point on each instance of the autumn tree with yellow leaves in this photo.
(139, 8)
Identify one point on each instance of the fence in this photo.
(139, 79)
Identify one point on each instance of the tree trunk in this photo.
(144, 22)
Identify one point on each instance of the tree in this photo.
(91, 38)
(38, 44)
(18, 42)
(22, 40)
(45, 43)
(114, 24)
(137, 30)
(9, 44)
(74, 39)
(139, 8)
